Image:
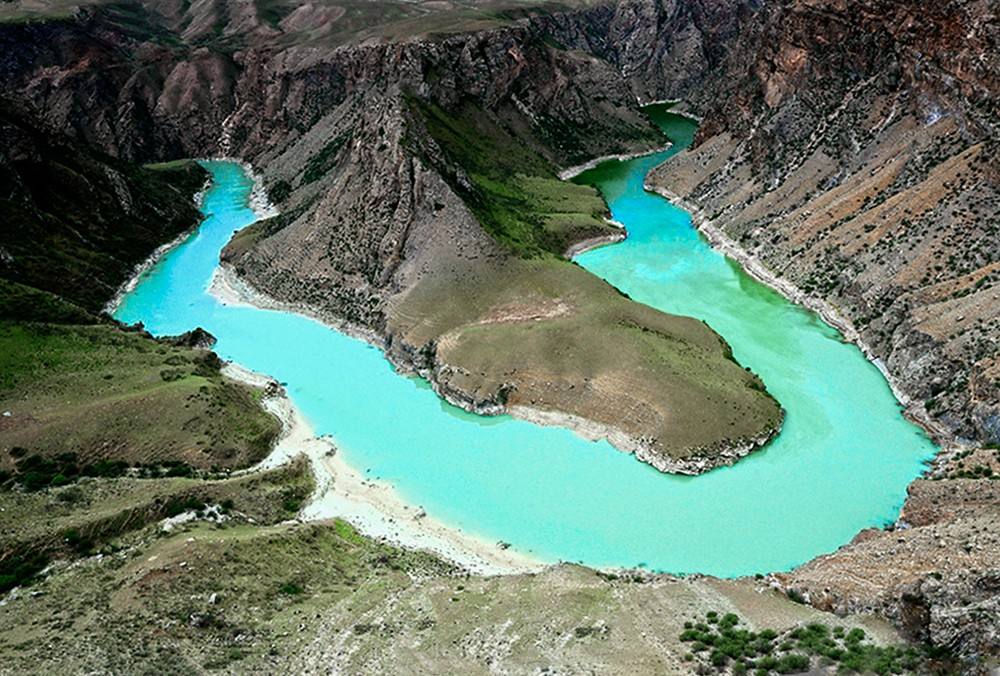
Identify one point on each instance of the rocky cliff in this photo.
(76, 223)
(934, 574)
(852, 150)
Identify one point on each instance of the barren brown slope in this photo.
(853, 150)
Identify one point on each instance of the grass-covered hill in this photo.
(102, 428)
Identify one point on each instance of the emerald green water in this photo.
(841, 463)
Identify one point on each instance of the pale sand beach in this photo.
(373, 507)
(570, 172)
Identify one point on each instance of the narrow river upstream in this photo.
(841, 463)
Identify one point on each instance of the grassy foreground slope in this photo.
(549, 336)
(103, 428)
(232, 597)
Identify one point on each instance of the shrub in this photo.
(792, 663)
(177, 506)
(77, 541)
(855, 635)
(279, 191)
(796, 595)
(70, 495)
(718, 646)
(729, 620)
(180, 470)
(767, 662)
(19, 569)
(105, 468)
(290, 589)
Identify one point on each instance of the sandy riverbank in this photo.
(373, 507)
(229, 289)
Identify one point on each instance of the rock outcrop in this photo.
(934, 574)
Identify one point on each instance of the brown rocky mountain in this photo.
(852, 149)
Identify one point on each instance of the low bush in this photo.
(720, 643)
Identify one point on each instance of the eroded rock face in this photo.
(130, 96)
(390, 212)
(934, 575)
(852, 150)
(77, 223)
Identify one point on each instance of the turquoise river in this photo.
(841, 463)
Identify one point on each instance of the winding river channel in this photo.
(841, 463)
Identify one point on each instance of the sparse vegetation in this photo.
(727, 646)
(75, 392)
(321, 162)
(514, 193)
(86, 517)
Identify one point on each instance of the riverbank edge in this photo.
(258, 202)
(231, 289)
(753, 266)
(152, 259)
(574, 171)
(372, 506)
(592, 243)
